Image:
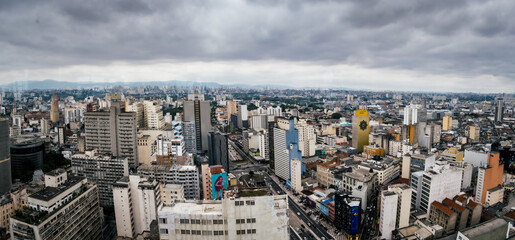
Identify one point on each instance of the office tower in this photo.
(259, 122)
(231, 107)
(417, 161)
(296, 175)
(139, 109)
(440, 182)
(113, 132)
(499, 110)
(153, 115)
(360, 129)
(347, 214)
(243, 116)
(286, 147)
(27, 155)
(5, 160)
(67, 208)
(218, 150)
(415, 113)
(190, 137)
(490, 180)
(44, 126)
(103, 170)
(263, 217)
(136, 200)
(198, 111)
(447, 123)
(188, 176)
(271, 152)
(307, 138)
(54, 114)
(61, 135)
(395, 209)
(473, 132)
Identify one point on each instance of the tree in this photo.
(336, 115)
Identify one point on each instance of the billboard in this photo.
(354, 220)
(219, 183)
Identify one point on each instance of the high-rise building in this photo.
(104, 170)
(231, 107)
(54, 114)
(307, 138)
(499, 110)
(395, 209)
(136, 200)
(296, 175)
(440, 182)
(360, 129)
(198, 111)
(190, 137)
(243, 116)
(43, 123)
(473, 132)
(153, 115)
(218, 153)
(67, 208)
(113, 132)
(489, 177)
(263, 217)
(347, 214)
(259, 122)
(271, 149)
(27, 154)
(188, 176)
(5, 160)
(447, 123)
(415, 113)
(286, 147)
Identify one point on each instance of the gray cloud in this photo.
(466, 38)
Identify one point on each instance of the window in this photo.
(251, 202)
(195, 232)
(216, 233)
(206, 233)
(163, 220)
(163, 231)
(239, 203)
(251, 220)
(218, 221)
(251, 231)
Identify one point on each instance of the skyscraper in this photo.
(5, 160)
(55, 108)
(243, 115)
(360, 129)
(286, 147)
(395, 209)
(198, 111)
(499, 110)
(415, 113)
(218, 150)
(113, 132)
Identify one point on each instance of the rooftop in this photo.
(484, 228)
(49, 193)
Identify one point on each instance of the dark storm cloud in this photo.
(439, 36)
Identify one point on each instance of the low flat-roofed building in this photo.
(495, 229)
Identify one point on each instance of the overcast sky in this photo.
(436, 45)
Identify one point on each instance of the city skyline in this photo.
(357, 45)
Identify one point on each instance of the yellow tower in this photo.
(360, 129)
(447, 123)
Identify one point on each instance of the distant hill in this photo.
(53, 84)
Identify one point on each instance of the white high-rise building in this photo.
(440, 182)
(45, 129)
(259, 122)
(395, 209)
(188, 176)
(243, 116)
(153, 115)
(263, 217)
(307, 138)
(296, 175)
(274, 111)
(414, 113)
(135, 205)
